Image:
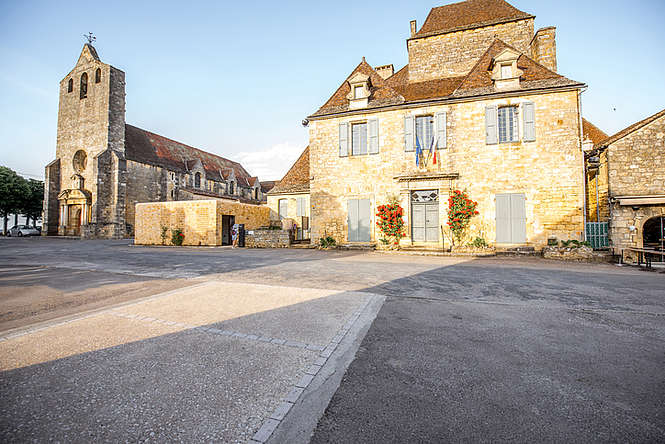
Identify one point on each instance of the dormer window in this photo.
(360, 91)
(504, 70)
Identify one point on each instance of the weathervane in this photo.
(89, 37)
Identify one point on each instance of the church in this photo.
(103, 166)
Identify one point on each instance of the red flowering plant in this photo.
(460, 211)
(390, 220)
(177, 237)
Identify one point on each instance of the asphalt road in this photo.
(507, 354)
(496, 349)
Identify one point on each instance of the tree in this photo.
(14, 192)
(391, 222)
(32, 207)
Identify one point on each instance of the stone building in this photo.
(103, 166)
(481, 106)
(629, 168)
(290, 199)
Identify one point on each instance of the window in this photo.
(283, 208)
(231, 188)
(70, 85)
(359, 138)
(98, 75)
(197, 180)
(424, 131)
(84, 85)
(358, 92)
(172, 194)
(508, 124)
(506, 71)
(256, 193)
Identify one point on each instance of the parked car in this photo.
(23, 230)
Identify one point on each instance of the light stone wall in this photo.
(549, 171)
(292, 205)
(543, 48)
(200, 220)
(636, 167)
(455, 53)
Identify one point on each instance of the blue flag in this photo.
(418, 150)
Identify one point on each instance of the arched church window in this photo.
(70, 85)
(197, 180)
(98, 75)
(231, 188)
(256, 193)
(79, 161)
(84, 85)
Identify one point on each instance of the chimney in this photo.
(385, 71)
(413, 27)
(543, 47)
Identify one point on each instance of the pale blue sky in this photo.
(237, 78)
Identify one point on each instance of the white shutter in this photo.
(491, 120)
(440, 122)
(409, 132)
(373, 136)
(529, 121)
(343, 139)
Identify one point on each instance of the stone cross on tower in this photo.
(89, 37)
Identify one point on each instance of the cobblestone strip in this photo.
(271, 424)
(217, 331)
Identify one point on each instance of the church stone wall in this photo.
(549, 171)
(455, 53)
(146, 183)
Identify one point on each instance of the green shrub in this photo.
(164, 234)
(479, 242)
(327, 241)
(177, 237)
(574, 243)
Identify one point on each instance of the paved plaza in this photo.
(104, 341)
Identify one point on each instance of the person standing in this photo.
(234, 235)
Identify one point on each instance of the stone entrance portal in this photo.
(74, 208)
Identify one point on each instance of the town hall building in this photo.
(479, 107)
(104, 166)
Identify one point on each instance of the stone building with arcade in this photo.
(103, 166)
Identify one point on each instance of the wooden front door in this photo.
(425, 216)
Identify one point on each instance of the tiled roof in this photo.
(150, 148)
(380, 93)
(397, 89)
(592, 132)
(268, 185)
(296, 180)
(479, 81)
(634, 127)
(468, 15)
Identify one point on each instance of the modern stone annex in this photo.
(626, 176)
(479, 107)
(103, 166)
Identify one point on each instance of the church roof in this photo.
(150, 148)
(397, 89)
(296, 180)
(468, 15)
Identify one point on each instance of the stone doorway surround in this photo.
(74, 206)
(409, 182)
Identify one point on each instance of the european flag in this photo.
(418, 151)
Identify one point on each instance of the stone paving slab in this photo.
(218, 362)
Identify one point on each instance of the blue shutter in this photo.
(343, 139)
(491, 136)
(440, 122)
(529, 121)
(373, 136)
(409, 131)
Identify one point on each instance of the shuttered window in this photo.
(440, 124)
(359, 139)
(409, 132)
(510, 219)
(491, 136)
(508, 129)
(343, 139)
(301, 207)
(529, 122)
(373, 126)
